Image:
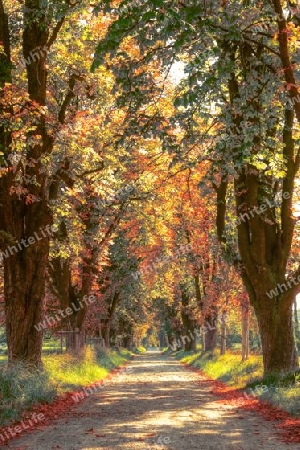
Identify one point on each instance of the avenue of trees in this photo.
(149, 162)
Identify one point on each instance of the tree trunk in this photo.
(74, 341)
(114, 301)
(265, 220)
(189, 344)
(188, 338)
(210, 335)
(24, 289)
(245, 331)
(22, 223)
(69, 295)
(163, 339)
(223, 334)
(62, 288)
(129, 345)
(296, 322)
(105, 328)
(277, 337)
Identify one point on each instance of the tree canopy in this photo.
(159, 141)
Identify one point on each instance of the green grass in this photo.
(68, 372)
(282, 391)
(49, 346)
(140, 349)
(52, 346)
(227, 368)
(21, 388)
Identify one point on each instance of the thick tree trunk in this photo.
(188, 337)
(277, 337)
(190, 344)
(24, 288)
(20, 221)
(266, 224)
(70, 298)
(210, 335)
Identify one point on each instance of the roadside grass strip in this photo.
(65, 373)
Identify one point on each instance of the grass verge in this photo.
(140, 349)
(283, 391)
(69, 372)
(20, 388)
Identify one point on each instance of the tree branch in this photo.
(70, 95)
(55, 32)
(285, 57)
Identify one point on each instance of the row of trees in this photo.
(238, 109)
(144, 179)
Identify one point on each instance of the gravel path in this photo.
(158, 405)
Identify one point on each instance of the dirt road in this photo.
(158, 405)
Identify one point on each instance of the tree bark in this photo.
(296, 321)
(223, 334)
(210, 334)
(25, 266)
(24, 289)
(245, 331)
(188, 338)
(105, 328)
(69, 296)
(277, 337)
